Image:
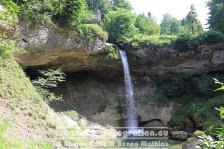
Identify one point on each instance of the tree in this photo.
(119, 25)
(170, 25)
(103, 5)
(106, 6)
(121, 4)
(73, 12)
(68, 13)
(146, 25)
(216, 18)
(191, 23)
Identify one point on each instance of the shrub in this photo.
(49, 79)
(113, 53)
(141, 40)
(102, 108)
(147, 25)
(73, 12)
(10, 16)
(185, 42)
(37, 12)
(211, 37)
(66, 13)
(119, 25)
(219, 134)
(90, 31)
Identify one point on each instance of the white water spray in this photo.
(132, 123)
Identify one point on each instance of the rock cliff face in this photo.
(168, 62)
(86, 89)
(103, 100)
(59, 48)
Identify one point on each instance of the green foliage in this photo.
(3, 126)
(220, 83)
(103, 5)
(102, 108)
(185, 43)
(216, 18)
(147, 25)
(196, 97)
(219, 134)
(49, 79)
(8, 142)
(4, 143)
(89, 31)
(176, 89)
(141, 40)
(72, 114)
(188, 42)
(113, 53)
(6, 47)
(121, 4)
(119, 25)
(10, 15)
(191, 23)
(66, 13)
(15, 87)
(211, 37)
(170, 25)
(73, 12)
(38, 12)
(122, 102)
(181, 114)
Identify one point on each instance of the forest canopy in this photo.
(115, 20)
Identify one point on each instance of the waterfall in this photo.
(132, 123)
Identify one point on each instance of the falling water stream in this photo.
(132, 123)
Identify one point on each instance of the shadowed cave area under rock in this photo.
(101, 99)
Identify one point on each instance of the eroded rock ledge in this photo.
(59, 48)
(167, 62)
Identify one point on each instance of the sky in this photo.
(176, 8)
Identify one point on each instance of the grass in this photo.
(72, 114)
(15, 88)
(141, 40)
(7, 141)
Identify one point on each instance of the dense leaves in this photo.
(48, 80)
(67, 12)
(146, 25)
(119, 25)
(89, 31)
(216, 19)
(104, 6)
(191, 23)
(121, 4)
(73, 11)
(9, 16)
(170, 25)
